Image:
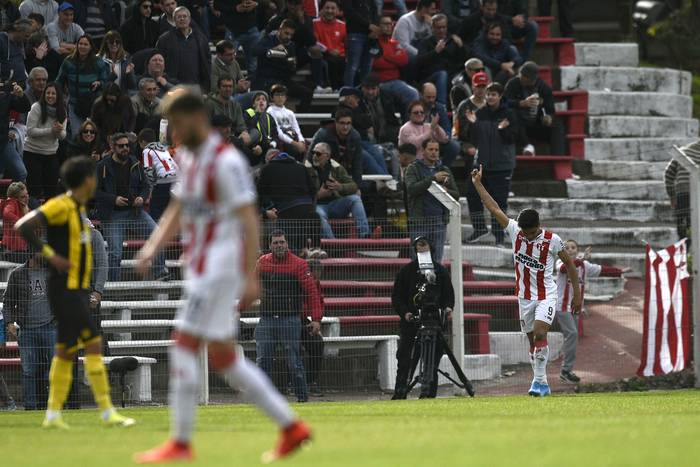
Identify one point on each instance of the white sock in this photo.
(184, 371)
(540, 366)
(52, 414)
(107, 413)
(259, 390)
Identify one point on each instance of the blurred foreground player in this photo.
(68, 251)
(214, 205)
(534, 252)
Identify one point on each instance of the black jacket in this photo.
(138, 32)
(9, 102)
(285, 183)
(304, 36)
(406, 286)
(236, 22)
(168, 46)
(451, 59)
(359, 14)
(515, 92)
(496, 147)
(273, 69)
(474, 24)
(107, 188)
(391, 124)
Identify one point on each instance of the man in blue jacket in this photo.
(122, 190)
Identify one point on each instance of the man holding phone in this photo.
(427, 217)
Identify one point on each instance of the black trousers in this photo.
(404, 354)
(536, 131)
(335, 66)
(160, 197)
(42, 174)
(566, 26)
(302, 226)
(313, 345)
(497, 183)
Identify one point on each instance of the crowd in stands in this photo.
(416, 92)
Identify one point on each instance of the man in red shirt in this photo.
(330, 34)
(393, 59)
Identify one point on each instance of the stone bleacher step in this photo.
(628, 170)
(629, 126)
(607, 54)
(626, 79)
(627, 189)
(651, 104)
(633, 149)
(589, 209)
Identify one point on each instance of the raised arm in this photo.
(486, 198)
(572, 272)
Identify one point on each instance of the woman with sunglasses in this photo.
(140, 31)
(86, 142)
(119, 62)
(416, 129)
(46, 126)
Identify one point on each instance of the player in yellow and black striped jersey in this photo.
(68, 250)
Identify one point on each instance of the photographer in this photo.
(422, 294)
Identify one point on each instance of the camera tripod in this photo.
(428, 338)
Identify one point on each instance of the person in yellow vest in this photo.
(261, 128)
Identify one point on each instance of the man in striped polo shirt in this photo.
(534, 252)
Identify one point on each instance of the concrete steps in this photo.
(628, 170)
(633, 149)
(607, 54)
(628, 126)
(653, 104)
(589, 209)
(626, 79)
(628, 189)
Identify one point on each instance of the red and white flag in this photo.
(666, 339)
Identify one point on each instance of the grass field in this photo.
(630, 429)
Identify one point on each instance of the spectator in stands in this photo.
(25, 303)
(391, 64)
(277, 54)
(145, 104)
(564, 12)
(287, 290)
(113, 111)
(186, 51)
(417, 129)
(9, 13)
(161, 170)
(86, 142)
(412, 28)
(344, 141)
(39, 55)
(166, 21)
(46, 126)
(427, 217)
(331, 34)
(438, 55)
(140, 31)
(83, 74)
(121, 68)
(287, 198)
(461, 129)
(372, 156)
(10, 160)
(337, 196)
(459, 10)
(224, 64)
(220, 103)
(409, 280)
(361, 18)
(36, 83)
(497, 53)
(475, 24)
(534, 104)
(519, 26)
(462, 82)
(261, 128)
(240, 18)
(63, 33)
(288, 132)
(98, 278)
(494, 129)
(155, 68)
(48, 9)
(9, 404)
(407, 156)
(677, 183)
(12, 52)
(13, 208)
(428, 97)
(311, 341)
(97, 17)
(122, 189)
(37, 22)
(381, 106)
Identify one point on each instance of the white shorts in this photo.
(210, 311)
(536, 310)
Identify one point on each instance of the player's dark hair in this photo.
(147, 135)
(75, 170)
(528, 219)
(342, 112)
(277, 233)
(408, 148)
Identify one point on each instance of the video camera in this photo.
(426, 301)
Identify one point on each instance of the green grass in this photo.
(629, 429)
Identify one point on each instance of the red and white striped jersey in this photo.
(159, 165)
(565, 292)
(214, 181)
(534, 263)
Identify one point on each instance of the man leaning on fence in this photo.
(287, 289)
